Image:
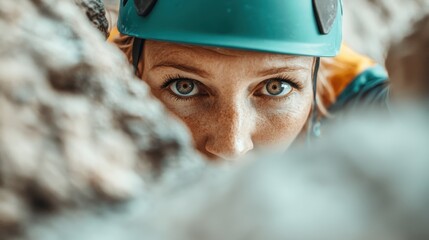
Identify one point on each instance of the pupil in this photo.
(185, 86)
(275, 87)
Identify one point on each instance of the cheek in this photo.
(280, 128)
(200, 124)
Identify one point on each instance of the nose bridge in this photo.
(232, 135)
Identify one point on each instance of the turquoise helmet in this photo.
(296, 27)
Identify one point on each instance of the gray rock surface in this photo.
(96, 13)
(408, 63)
(76, 128)
(368, 180)
(370, 26)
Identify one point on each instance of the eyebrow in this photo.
(202, 73)
(273, 71)
(182, 67)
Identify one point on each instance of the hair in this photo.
(325, 95)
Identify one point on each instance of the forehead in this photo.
(156, 51)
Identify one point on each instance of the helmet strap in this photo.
(314, 123)
(136, 53)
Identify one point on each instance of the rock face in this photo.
(370, 26)
(96, 13)
(363, 182)
(75, 127)
(408, 63)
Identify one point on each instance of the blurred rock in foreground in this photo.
(95, 11)
(367, 180)
(75, 127)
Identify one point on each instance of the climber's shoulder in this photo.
(114, 34)
(357, 81)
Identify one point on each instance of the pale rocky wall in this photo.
(95, 10)
(408, 63)
(370, 26)
(75, 126)
(367, 180)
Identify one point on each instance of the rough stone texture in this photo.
(363, 182)
(75, 128)
(112, 11)
(370, 26)
(408, 63)
(96, 13)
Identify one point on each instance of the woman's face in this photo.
(231, 100)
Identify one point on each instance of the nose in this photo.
(231, 134)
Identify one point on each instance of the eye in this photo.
(184, 88)
(276, 87)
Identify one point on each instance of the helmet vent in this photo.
(326, 12)
(144, 7)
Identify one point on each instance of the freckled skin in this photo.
(232, 117)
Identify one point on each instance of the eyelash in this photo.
(296, 85)
(290, 80)
(172, 78)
